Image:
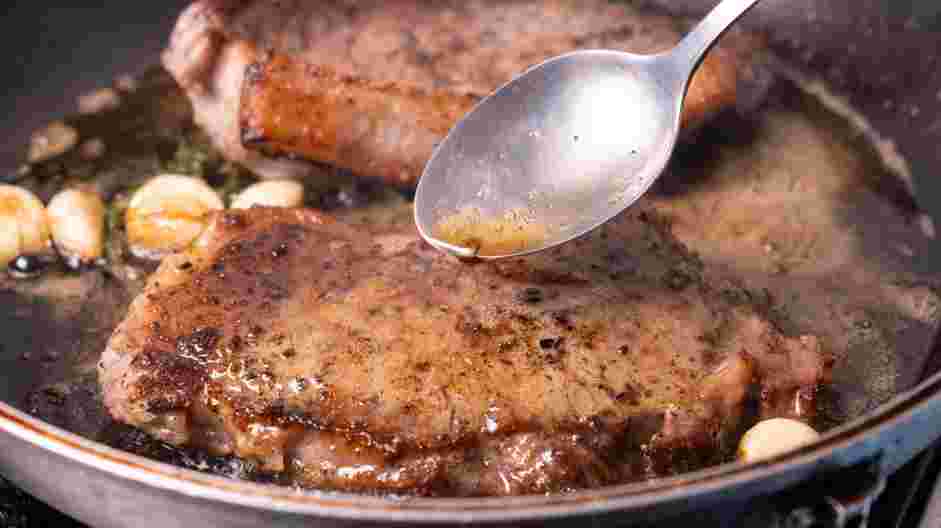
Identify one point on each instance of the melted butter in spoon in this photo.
(514, 232)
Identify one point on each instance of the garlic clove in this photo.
(77, 224)
(24, 226)
(9, 240)
(54, 140)
(97, 101)
(271, 193)
(775, 436)
(167, 213)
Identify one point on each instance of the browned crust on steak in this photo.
(384, 129)
(404, 49)
(281, 326)
(389, 129)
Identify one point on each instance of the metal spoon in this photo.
(562, 148)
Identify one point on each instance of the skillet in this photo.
(875, 53)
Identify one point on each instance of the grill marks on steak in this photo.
(445, 49)
(359, 358)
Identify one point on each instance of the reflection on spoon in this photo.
(591, 129)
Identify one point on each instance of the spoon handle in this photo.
(688, 54)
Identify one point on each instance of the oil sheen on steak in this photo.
(467, 48)
(359, 358)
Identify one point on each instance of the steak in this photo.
(357, 357)
(383, 129)
(444, 49)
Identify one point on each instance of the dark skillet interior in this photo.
(55, 53)
(885, 59)
(883, 55)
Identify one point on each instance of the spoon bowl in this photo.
(561, 149)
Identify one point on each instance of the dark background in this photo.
(70, 51)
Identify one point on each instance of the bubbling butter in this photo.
(513, 232)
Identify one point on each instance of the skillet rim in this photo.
(837, 443)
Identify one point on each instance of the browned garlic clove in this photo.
(24, 227)
(77, 224)
(167, 213)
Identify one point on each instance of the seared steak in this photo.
(457, 48)
(357, 357)
(383, 129)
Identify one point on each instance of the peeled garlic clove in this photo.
(9, 240)
(772, 437)
(24, 228)
(77, 224)
(54, 140)
(271, 193)
(168, 213)
(98, 101)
